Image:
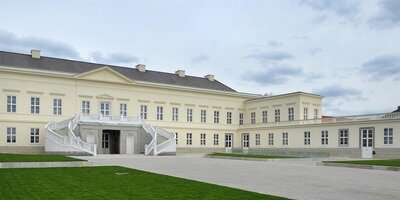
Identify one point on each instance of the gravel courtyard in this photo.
(297, 179)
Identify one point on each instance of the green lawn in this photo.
(247, 155)
(109, 183)
(390, 163)
(34, 158)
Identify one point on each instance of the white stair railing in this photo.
(70, 140)
(153, 147)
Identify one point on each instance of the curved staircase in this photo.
(61, 137)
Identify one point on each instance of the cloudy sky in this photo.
(345, 50)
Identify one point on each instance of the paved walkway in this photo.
(297, 179)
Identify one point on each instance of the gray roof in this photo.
(25, 61)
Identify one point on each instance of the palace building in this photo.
(65, 106)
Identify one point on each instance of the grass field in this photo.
(237, 155)
(389, 163)
(109, 183)
(34, 158)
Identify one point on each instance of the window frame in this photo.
(258, 139)
(307, 138)
(34, 136)
(123, 109)
(216, 139)
(189, 139)
(57, 106)
(202, 139)
(228, 117)
(85, 107)
(203, 116)
(285, 138)
(160, 113)
(324, 137)
(175, 114)
(388, 136)
(291, 114)
(264, 116)
(270, 139)
(277, 115)
(343, 140)
(253, 117)
(11, 137)
(143, 112)
(189, 115)
(216, 117)
(35, 105)
(11, 104)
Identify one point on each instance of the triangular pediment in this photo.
(105, 96)
(104, 74)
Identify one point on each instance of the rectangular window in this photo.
(143, 112)
(307, 138)
(264, 116)
(105, 109)
(291, 114)
(57, 106)
(34, 135)
(202, 139)
(305, 114)
(189, 115)
(11, 104)
(324, 137)
(240, 118)
(160, 113)
(285, 138)
(35, 105)
(123, 109)
(343, 137)
(388, 136)
(315, 113)
(86, 107)
(245, 140)
(270, 139)
(229, 117)
(277, 115)
(228, 140)
(216, 139)
(216, 117)
(203, 116)
(11, 135)
(176, 138)
(253, 117)
(258, 139)
(175, 114)
(188, 138)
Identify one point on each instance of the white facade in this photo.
(204, 119)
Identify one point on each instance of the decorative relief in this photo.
(85, 96)
(122, 99)
(11, 90)
(35, 92)
(105, 96)
(57, 94)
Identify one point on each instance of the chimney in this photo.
(180, 73)
(35, 53)
(210, 77)
(141, 68)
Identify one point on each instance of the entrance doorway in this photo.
(110, 141)
(367, 142)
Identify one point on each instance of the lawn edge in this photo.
(359, 166)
